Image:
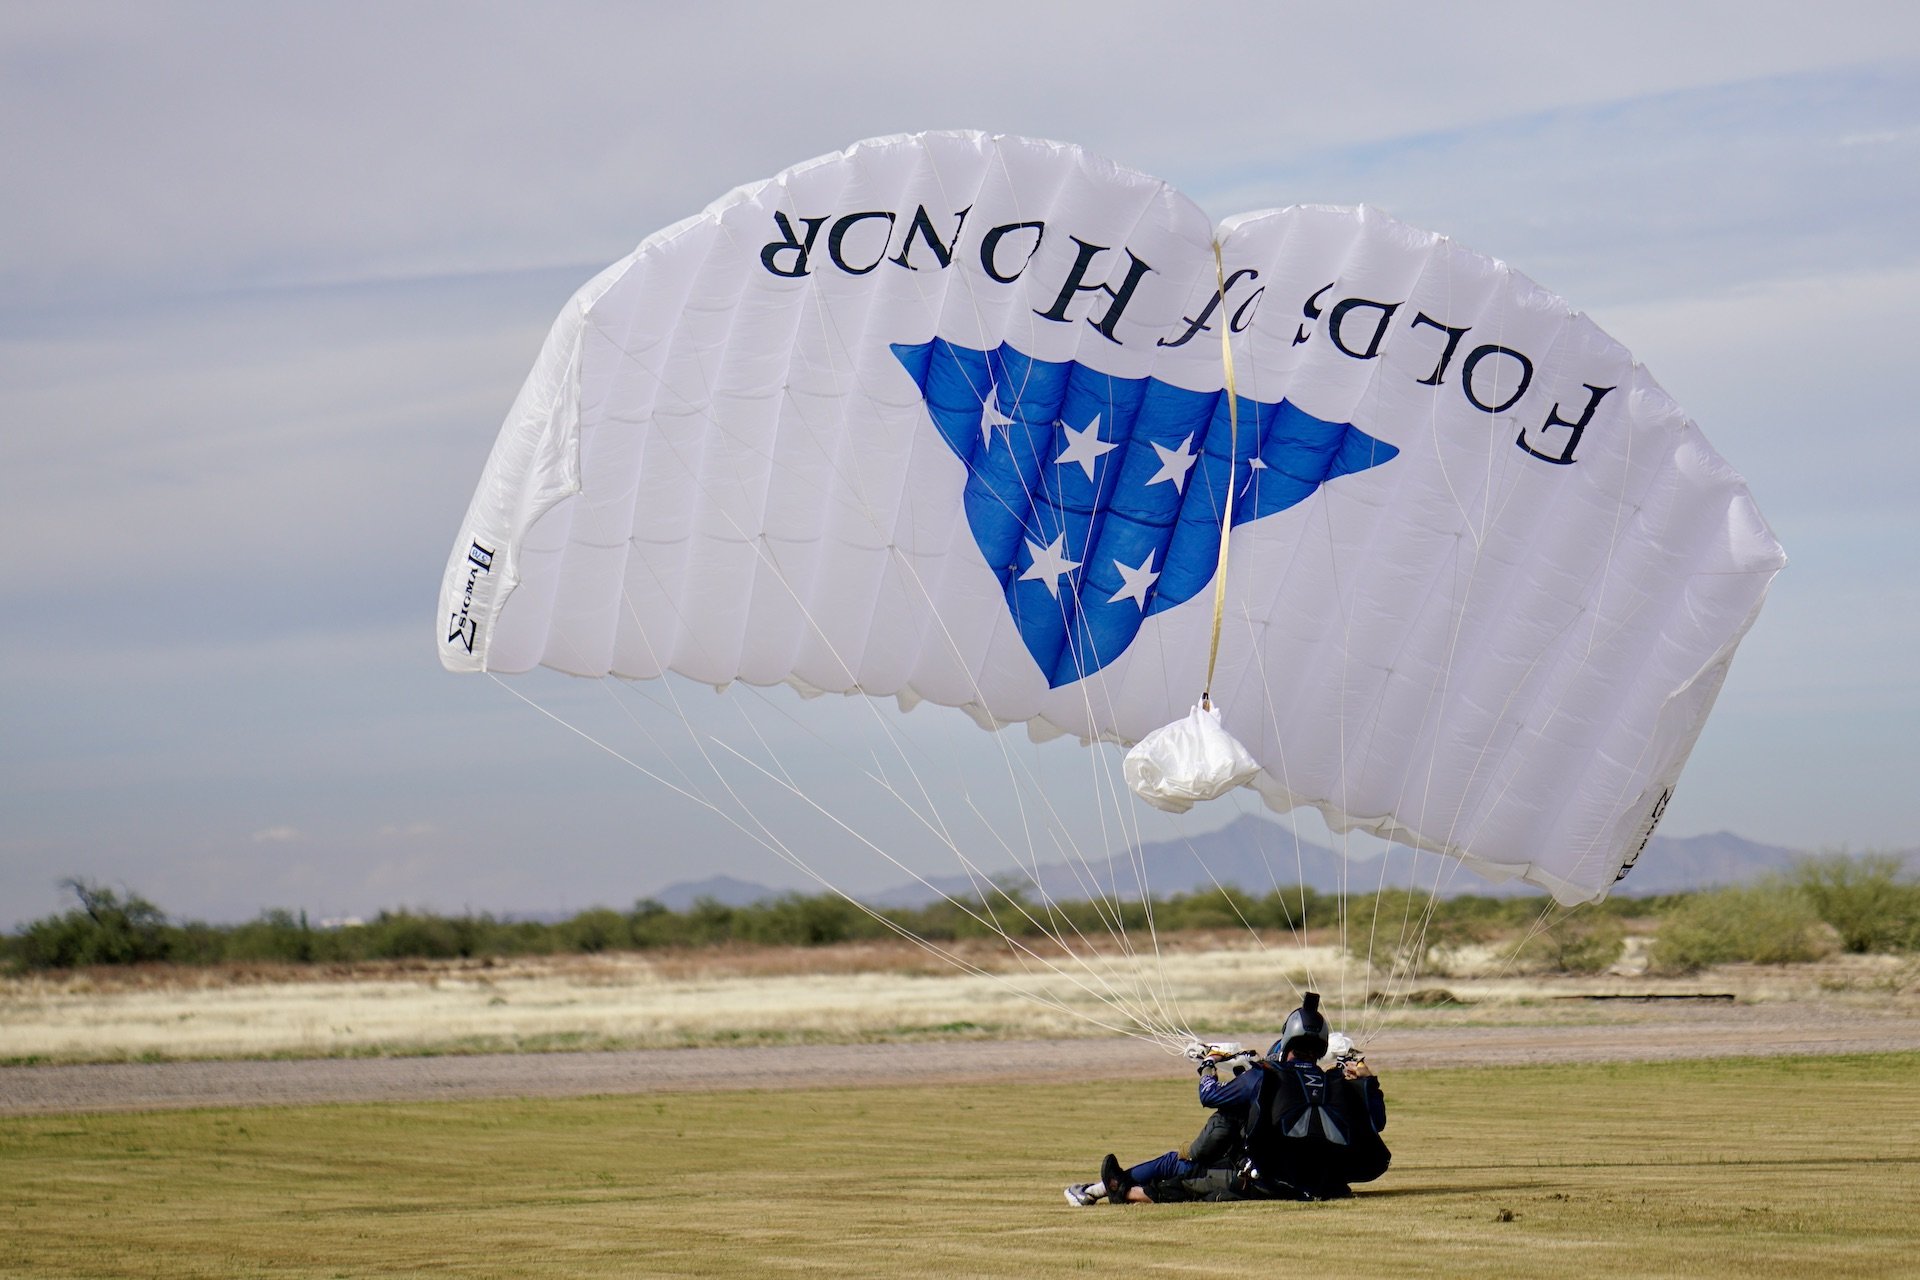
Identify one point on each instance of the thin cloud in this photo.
(1881, 137)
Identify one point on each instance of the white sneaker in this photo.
(1080, 1196)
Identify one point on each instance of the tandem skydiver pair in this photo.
(1281, 1128)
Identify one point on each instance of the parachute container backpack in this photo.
(969, 419)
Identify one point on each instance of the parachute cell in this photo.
(945, 417)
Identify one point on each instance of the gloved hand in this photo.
(1211, 1056)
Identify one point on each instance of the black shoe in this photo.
(1115, 1180)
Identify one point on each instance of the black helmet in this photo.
(1305, 1031)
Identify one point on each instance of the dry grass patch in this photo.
(1227, 985)
(851, 993)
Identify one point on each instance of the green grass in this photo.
(1805, 1166)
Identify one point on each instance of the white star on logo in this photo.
(1138, 582)
(1084, 446)
(1050, 563)
(1253, 465)
(1174, 464)
(991, 419)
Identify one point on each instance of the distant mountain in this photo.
(1685, 863)
(722, 889)
(1251, 853)
(1257, 854)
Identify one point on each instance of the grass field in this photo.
(1717, 1168)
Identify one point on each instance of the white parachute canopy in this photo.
(945, 418)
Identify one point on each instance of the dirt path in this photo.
(1665, 1033)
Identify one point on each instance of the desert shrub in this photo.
(1006, 905)
(1209, 909)
(652, 923)
(945, 921)
(1486, 913)
(104, 928)
(709, 921)
(595, 930)
(1411, 932)
(276, 935)
(1406, 930)
(194, 942)
(1212, 912)
(1294, 908)
(406, 935)
(1868, 900)
(1093, 918)
(798, 920)
(1767, 923)
(1228, 907)
(1580, 942)
(531, 938)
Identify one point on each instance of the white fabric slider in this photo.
(1180, 764)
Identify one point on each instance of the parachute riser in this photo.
(1226, 514)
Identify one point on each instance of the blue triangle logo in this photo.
(1096, 500)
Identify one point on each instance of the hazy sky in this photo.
(270, 276)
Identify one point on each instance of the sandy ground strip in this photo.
(843, 995)
(1665, 1034)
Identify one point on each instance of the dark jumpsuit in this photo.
(1218, 1143)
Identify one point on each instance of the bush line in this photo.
(1858, 904)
